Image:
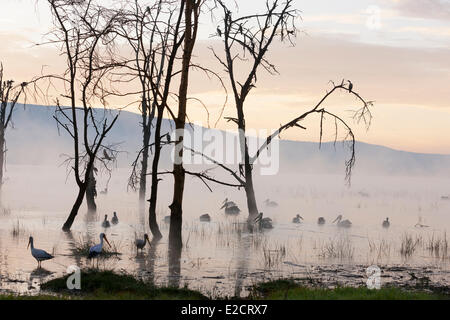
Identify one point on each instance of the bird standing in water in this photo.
(39, 254)
(114, 219)
(105, 223)
(140, 243)
(94, 251)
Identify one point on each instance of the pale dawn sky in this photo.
(396, 52)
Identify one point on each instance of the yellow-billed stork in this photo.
(39, 254)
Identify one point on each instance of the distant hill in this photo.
(34, 140)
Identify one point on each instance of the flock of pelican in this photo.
(230, 209)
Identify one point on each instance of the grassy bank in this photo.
(107, 285)
(289, 290)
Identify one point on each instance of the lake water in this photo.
(222, 258)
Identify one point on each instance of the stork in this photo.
(97, 249)
(39, 254)
(140, 243)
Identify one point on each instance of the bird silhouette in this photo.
(106, 155)
(219, 32)
(350, 86)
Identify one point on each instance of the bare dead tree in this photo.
(247, 40)
(9, 97)
(155, 35)
(85, 35)
(191, 25)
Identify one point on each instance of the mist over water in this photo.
(221, 257)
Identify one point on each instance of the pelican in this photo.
(321, 221)
(105, 223)
(386, 223)
(114, 219)
(97, 249)
(140, 243)
(264, 223)
(231, 208)
(271, 204)
(205, 217)
(298, 219)
(229, 203)
(38, 254)
(342, 223)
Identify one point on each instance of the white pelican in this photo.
(342, 223)
(321, 221)
(298, 219)
(231, 208)
(114, 219)
(271, 204)
(264, 223)
(105, 223)
(38, 254)
(205, 217)
(140, 243)
(386, 223)
(97, 249)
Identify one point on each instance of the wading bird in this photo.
(342, 223)
(386, 223)
(321, 221)
(271, 204)
(97, 249)
(114, 219)
(105, 223)
(298, 219)
(230, 207)
(205, 218)
(140, 243)
(38, 254)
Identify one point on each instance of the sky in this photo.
(396, 52)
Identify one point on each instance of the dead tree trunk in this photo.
(191, 15)
(91, 191)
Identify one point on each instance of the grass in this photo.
(290, 290)
(107, 285)
(82, 246)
